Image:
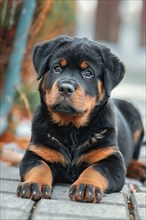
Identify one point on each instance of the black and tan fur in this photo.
(79, 135)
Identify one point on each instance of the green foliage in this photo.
(63, 9)
(60, 16)
(10, 12)
(31, 95)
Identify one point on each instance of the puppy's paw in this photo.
(85, 193)
(34, 191)
(137, 170)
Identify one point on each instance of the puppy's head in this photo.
(77, 75)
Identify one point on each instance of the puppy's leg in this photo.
(137, 140)
(106, 176)
(137, 170)
(36, 178)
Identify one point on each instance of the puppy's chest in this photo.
(71, 142)
(68, 142)
(77, 146)
(74, 144)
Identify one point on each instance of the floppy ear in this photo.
(113, 69)
(43, 52)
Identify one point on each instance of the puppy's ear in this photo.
(42, 53)
(113, 69)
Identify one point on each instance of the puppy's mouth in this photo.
(64, 109)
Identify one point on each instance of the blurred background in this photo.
(119, 24)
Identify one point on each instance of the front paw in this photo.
(34, 191)
(85, 193)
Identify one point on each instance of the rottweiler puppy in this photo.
(80, 136)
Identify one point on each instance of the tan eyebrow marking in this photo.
(84, 64)
(63, 62)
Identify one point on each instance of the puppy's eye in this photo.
(88, 73)
(57, 68)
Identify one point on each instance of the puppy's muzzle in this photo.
(67, 101)
(66, 88)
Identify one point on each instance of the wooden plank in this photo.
(9, 201)
(54, 209)
(10, 173)
(64, 217)
(60, 192)
(139, 199)
(15, 208)
(117, 199)
(7, 186)
(13, 215)
(140, 213)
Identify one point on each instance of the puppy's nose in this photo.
(66, 89)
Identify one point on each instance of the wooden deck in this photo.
(121, 206)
